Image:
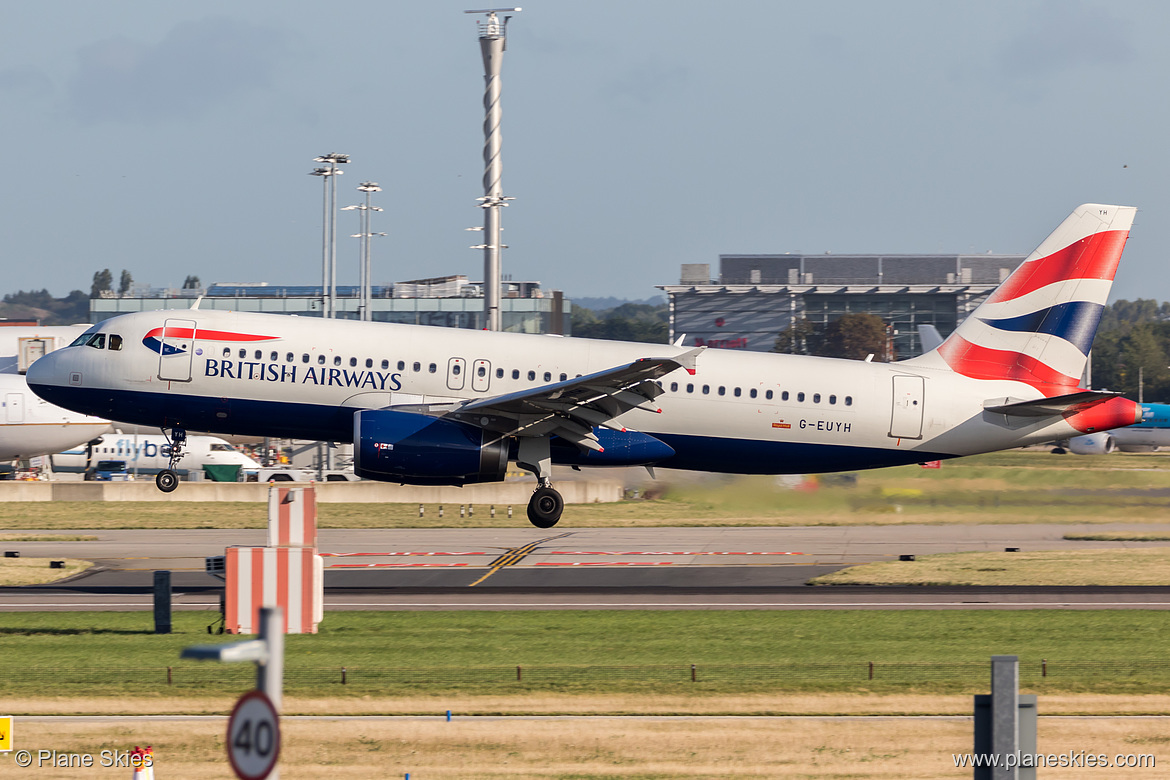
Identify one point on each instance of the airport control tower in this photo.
(492, 43)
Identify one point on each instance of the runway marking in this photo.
(514, 556)
(550, 552)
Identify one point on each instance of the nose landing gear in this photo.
(167, 480)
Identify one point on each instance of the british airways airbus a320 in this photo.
(427, 405)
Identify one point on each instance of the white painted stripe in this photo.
(243, 595)
(296, 570)
(1064, 291)
(1053, 351)
(268, 598)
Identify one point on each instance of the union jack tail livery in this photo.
(1038, 326)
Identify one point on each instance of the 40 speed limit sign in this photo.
(253, 738)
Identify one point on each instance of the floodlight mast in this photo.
(492, 43)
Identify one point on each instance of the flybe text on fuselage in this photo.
(256, 371)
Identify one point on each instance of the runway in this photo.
(584, 568)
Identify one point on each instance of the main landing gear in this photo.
(546, 505)
(167, 480)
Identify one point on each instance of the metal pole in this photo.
(332, 238)
(492, 43)
(270, 674)
(325, 245)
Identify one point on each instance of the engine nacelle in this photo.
(413, 448)
(1092, 444)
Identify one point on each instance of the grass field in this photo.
(1010, 487)
(604, 653)
(597, 749)
(36, 571)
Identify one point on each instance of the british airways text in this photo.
(273, 372)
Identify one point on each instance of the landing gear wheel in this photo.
(166, 480)
(545, 507)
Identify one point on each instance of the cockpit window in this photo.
(97, 341)
(115, 341)
(84, 337)
(221, 448)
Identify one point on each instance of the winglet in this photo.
(689, 359)
(679, 341)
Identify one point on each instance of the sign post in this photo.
(254, 727)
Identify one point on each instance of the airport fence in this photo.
(800, 676)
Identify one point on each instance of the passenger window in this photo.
(783, 395)
(482, 371)
(566, 376)
(737, 392)
(321, 360)
(849, 400)
(273, 356)
(515, 373)
(816, 398)
(386, 365)
(97, 341)
(674, 387)
(433, 368)
(369, 363)
(259, 354)
(753, 392)
(800, 397)
(115, 342)
(243, 353)
(455, 369)
(531, 376)
(353, 362)
(417, 366)
(547, 376)
(768, 395)
(305, 357)
(227, 352)
(690, 388)
(499, 373)
(289, 357)
(706, 389)
(722, 390)
(832, 399)
(401, 365)
(337, 360)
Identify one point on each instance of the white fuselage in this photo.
(277, 375)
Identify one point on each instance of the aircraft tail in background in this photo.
(1038, 326)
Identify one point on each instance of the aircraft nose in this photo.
(51, 371)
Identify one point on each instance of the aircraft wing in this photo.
(1049, 407)
(571, 409)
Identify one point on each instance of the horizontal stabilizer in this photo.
(1049, 407)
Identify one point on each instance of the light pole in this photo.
(368, 187)
(329, 229)
(492, 43)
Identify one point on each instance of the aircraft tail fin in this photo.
(1038, 325)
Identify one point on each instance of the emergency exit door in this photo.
(906, 419)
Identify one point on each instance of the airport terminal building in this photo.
(447, 301)
(757, 297)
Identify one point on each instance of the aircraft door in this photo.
(14, 407)
(456, 368)
(481, 376)
(906, 419)
(176, 349)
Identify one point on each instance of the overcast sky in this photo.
(174, 138)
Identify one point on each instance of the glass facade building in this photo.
(757, 297)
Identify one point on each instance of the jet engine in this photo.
(417, 449)
(1092, 444)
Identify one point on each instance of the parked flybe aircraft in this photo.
(444, 406)
(151, 454)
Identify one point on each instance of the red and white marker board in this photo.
(292, 578)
